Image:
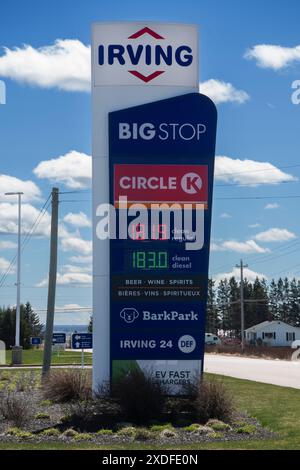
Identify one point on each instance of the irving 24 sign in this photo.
(158, 283)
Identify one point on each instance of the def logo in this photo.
(139, 54)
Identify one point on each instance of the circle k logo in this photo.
(191, 183)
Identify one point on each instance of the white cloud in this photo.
(73, 307)
(64, 65)
(249, 246)
(4, 264)
(275, 235)
(81, 259)
(256, 225)
(76, 269)
(69, 275)
(216, 247)
(7, 245)
(273, 56)
(74, 278)
(79, 219)
(249, 172)
(77, 244)
(225, 215)
(74, 169)
(272, 206)
(248, 274)
(12, 184)
(222, 92)
(9, 219)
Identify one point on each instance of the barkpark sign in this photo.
(153, 164)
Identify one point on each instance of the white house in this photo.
(273, 333)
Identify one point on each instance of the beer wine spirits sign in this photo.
(161, 155)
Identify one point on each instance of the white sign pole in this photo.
(132, 63)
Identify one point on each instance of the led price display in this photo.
(149, 259)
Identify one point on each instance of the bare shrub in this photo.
(213, 401)
(16, 408)
(62, 386)
(141, 397)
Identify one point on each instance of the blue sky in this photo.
(258, 126)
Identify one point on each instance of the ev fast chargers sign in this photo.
(164, 59)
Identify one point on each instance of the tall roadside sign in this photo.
(153, 142)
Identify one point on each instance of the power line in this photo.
(79, 191)
(258, 171)
(296, 196)
(62, 310)
(76, 200)
(228, 185)
(286, 246)
(265, 258)
(26, 239)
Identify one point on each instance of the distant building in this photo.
(273, 333)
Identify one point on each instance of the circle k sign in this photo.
(161, 183)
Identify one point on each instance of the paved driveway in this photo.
(284, 373)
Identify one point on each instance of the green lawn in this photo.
(35, 357)
(278, 408)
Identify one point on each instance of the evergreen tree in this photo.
(90, 327)
(257, 312)
(235, 308)
(273, 304)
(223, 306)
(212, 311)
(294, 303)
(30, 325)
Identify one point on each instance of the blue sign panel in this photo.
(35, 341)
(59, 338)
(82, 341)
(161, 183)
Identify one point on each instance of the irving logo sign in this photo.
(139, 54)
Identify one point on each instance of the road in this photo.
(283, 373)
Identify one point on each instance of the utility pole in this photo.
(51, 282)
(17, 349)
(241, 266)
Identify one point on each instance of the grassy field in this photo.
(35, 357)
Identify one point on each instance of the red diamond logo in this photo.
(143, 77)
(143, 31)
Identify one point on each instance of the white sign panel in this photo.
(145, 54)
(126, 58)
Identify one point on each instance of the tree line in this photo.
(277, 300)
(30, 325)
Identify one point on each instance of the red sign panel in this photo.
(161, 183)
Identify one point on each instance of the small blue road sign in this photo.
(35, 341)
(82, 341)
(59, 338)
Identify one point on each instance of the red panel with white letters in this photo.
(161, 183)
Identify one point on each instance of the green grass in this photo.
(277, 408)
(35, 357)
(17, 379)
